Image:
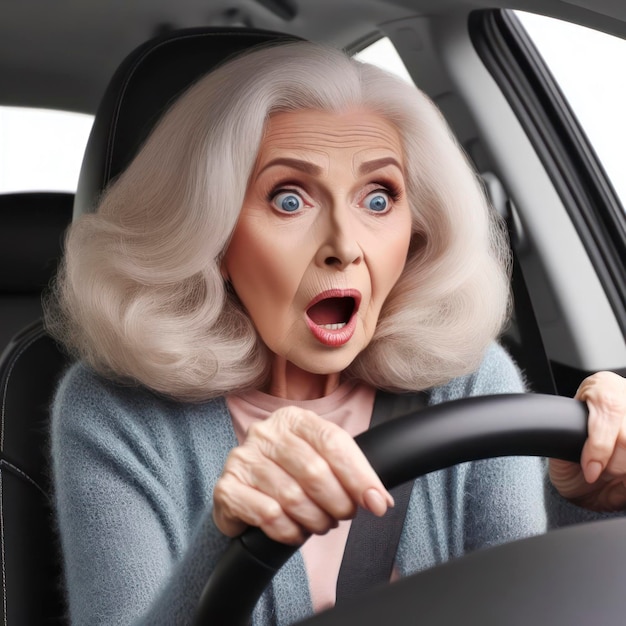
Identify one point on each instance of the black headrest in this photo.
(142, 88)
(31, 232)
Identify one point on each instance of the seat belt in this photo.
(533, 358)
(373, 541)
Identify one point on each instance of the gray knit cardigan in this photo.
(134, 476)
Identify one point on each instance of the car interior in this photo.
(126, 65)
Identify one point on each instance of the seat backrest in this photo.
(142, 88)
(29, 370)
(31, 232)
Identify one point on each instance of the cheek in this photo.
(261, 272)
(391, 259)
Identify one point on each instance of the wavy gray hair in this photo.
(140, 296)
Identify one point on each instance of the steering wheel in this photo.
(403, 449)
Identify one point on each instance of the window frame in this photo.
(514, 62)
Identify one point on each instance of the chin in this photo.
(326, 364)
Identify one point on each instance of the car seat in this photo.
(145, 84)
(31, 229)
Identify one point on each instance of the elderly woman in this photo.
(299, 231)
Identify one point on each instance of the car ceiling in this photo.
(61, 54)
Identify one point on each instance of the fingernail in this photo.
(374, 502)
(594, 469)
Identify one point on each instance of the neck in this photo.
(290, 382)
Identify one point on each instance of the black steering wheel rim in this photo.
(403, 449)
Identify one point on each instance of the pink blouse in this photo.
(350, 406)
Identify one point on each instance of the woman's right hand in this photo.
(295, 474)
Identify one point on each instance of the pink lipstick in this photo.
(331, 316)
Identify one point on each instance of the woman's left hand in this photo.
(599, 481)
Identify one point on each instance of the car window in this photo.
(589, 68)
(41, 149)
(383, 54)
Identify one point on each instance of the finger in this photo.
(616, 466)
(600, 444)
(248, 466)
(346, 461)
(237, 506)
(272, 480)
(306, 468)
(605, 394)
(349, 464)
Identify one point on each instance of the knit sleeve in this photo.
(522, 500)
(135, 552)
(503, 497)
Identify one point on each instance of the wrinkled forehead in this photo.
(321, 136)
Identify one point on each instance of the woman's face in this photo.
(323, 235)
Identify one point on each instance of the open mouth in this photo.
(332, 313)
(331, 316)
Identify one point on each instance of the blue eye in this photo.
(287, 201)
(377, 201)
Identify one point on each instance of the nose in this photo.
(340, 247)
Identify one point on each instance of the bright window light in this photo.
(589, 66)
(40, 149)
(383, 54)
